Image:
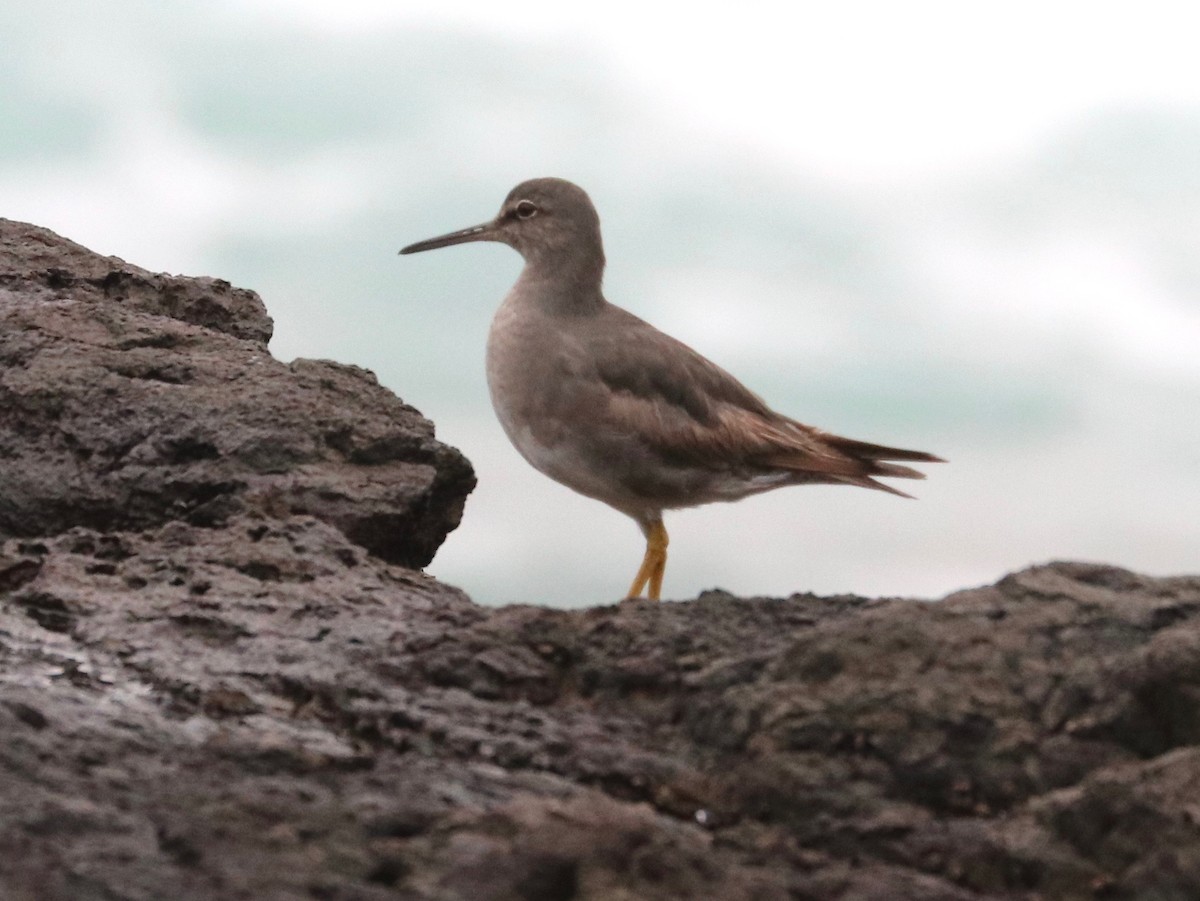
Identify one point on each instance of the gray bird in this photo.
(606, 404)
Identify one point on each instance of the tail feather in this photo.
(894, 470)
(868, 482)
(863, 450)
(873, 460)
(818, 456)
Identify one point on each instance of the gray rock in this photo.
(264, 710)
(129, 400)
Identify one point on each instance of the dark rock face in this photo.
(264, 711)
(242, 701)
(129, 400)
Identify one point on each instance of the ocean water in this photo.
(1033, 314)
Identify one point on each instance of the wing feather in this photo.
(684, 408)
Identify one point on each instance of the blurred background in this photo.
(970, 229)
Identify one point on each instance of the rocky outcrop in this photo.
(245, 697)
(129, 400)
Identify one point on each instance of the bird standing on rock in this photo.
(606, 404)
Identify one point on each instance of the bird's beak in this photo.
(484, 232)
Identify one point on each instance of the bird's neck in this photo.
(564, 284)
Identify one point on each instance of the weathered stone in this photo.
(128, 400)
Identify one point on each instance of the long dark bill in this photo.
(474, 233)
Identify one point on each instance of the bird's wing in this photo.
(685, 408)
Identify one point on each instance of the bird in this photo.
(603, 402)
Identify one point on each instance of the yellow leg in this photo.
(654, 563)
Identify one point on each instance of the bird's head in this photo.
(549, 221)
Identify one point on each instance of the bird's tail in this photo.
(874, 459)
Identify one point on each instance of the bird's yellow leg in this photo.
(642, 577)
(659, 540)
(654, 563)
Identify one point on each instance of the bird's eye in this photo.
(527, 209)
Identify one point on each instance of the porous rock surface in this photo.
(129, 400)
(253, 700)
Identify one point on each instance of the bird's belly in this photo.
(563, 450)
(563, 462)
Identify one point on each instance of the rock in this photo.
(39, 266)
(129, 400)
(263, 710)
(255, 701)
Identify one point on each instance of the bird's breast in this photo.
(533, 375)
(519, 374)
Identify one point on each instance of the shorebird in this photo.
(608, 405)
